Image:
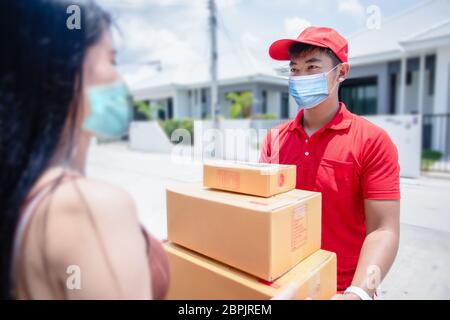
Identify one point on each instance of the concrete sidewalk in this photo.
(419, 272)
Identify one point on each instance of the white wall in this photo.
(148, 136)
(225, 105)
(406, 133)
(442, 85)
(194, 106)
(442, 104)
(411, 94)
(234, 137)
(181, 105)
(428, 100)
(274, 102)
(293, 107)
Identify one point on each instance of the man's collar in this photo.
(341, 121)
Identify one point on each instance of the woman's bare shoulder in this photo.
(94, 225)
(101, 198)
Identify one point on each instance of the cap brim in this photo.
(279, 50)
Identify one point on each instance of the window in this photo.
(360, 95)
(204, 107)
(264, 101)
(161, 114)
(203, 93)
(170, 108)
(430, 65)
(408, 78)
(392, 92)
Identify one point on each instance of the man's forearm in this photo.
(377, 256)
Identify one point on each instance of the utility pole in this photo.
(215, 110)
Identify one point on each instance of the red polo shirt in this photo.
(348, 160)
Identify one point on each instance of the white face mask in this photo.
(310, 91)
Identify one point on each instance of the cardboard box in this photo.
(259, 179)
(262, 236)
(194, 276)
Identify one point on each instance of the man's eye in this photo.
(312, 67)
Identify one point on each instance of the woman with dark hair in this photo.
(59, 88)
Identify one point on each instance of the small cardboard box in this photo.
(265, 237)
(194, 276)
(259, 179)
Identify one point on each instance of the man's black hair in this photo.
(297, 49)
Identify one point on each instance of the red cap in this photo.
(317, 36)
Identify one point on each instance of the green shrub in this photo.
(170, 125)
(429, 157)
(265, 116)
(146, 109)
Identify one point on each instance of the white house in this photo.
(404, 68)
(401, 68)
(181, 100)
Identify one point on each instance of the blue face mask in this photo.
(111, 110)
(309, 91)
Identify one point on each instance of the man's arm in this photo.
(380, 245)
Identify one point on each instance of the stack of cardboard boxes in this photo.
(246, 234)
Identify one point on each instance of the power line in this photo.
(214, 58)
(225, 30)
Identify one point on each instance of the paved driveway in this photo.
(421, 270)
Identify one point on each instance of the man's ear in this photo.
(343, 71)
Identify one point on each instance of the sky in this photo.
(175, 32)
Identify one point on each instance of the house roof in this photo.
(438, 30)
(192, 77)
(425, 21)
(168, 89)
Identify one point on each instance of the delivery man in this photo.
(352, 162)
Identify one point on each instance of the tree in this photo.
(147, 109)
(241, 104)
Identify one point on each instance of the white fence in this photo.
(241, 139)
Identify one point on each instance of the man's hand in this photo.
(289, 293)
(347, 296)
